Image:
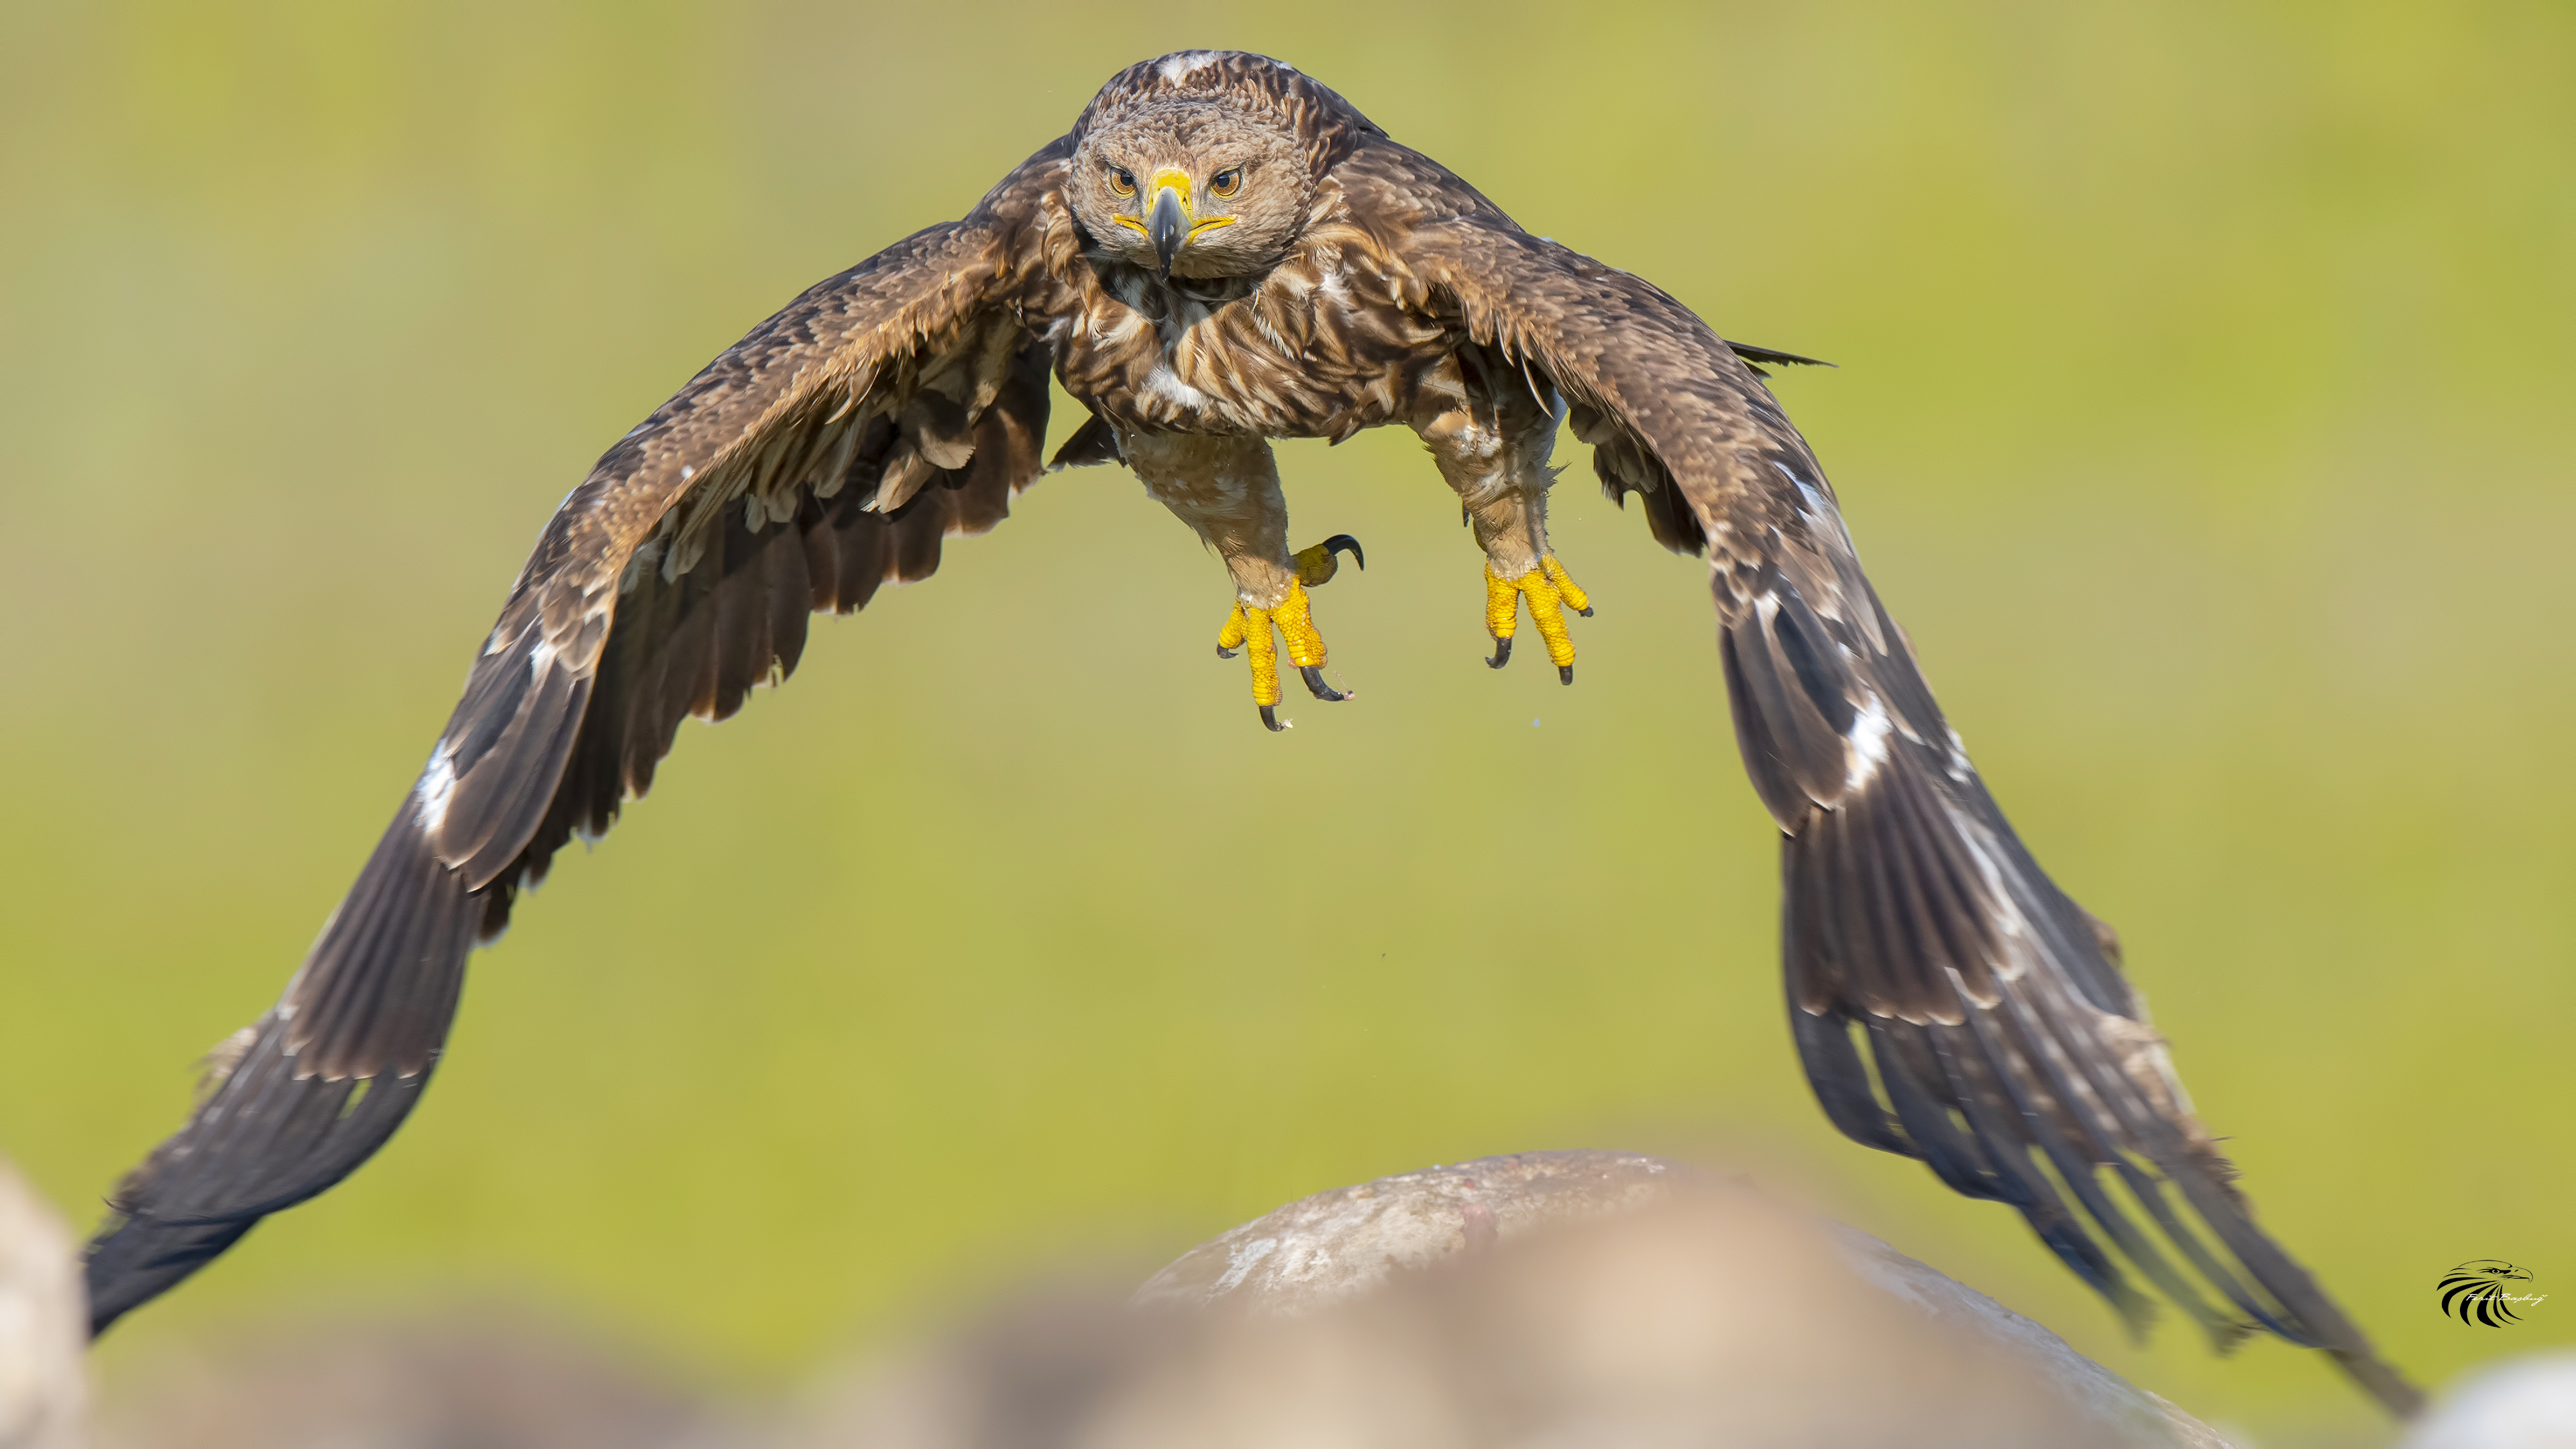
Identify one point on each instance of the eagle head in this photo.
(1198, 176)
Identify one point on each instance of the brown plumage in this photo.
(1223, 252)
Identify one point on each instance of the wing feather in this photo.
(1948, 1001)
(674, 580)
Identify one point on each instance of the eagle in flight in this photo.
(1219, 253)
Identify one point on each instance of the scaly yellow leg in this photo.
(1549, 592)
(1295, 621)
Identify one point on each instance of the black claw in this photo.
(1565, 674)
(1224, 653)
(1346, 542)
(1316, 686)
(1586, 613)
(1270, 721)
(1502, 654)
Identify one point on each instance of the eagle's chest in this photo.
(1308, 350)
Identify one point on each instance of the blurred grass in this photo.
(2202, 411)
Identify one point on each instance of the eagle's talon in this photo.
(1270, 721)
(1316, 566)
(1549, 594)
(1252, 630)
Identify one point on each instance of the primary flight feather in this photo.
(1222, 252)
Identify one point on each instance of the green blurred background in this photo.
(2203, 410)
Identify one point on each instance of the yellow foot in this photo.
(1550, 594)
(1248, 625)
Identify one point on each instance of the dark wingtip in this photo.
(134, 1261)
(2383, 1382)
(1774, 356)
(1094, 443)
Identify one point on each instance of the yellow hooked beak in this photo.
(1169, 221)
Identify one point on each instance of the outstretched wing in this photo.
(828, 452)
(1923, 946)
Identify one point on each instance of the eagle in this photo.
(1221, 252)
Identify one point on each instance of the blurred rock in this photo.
(462, 1378)
(2130, 1415)
(2525, 1403)
(1539, 1300)
(1035, 1370)
(44, 1323)
(1547, 1299)
(1350, 1240)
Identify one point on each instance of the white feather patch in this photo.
(1161, 383)
(1815, 508)
(437, 787)
(1868, 739)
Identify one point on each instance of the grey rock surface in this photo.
(2103, 1396)
(1525, 1302)
(1352, 1241)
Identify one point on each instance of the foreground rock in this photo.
(2522, 1403)
(1786, 1306)
(44, 1324)
(1544, 1299)
(488, 1376)
(1548, 1299)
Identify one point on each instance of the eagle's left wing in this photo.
(2004, 1047)
(823, 455)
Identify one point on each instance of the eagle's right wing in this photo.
(1949, 1001)
(823, 455)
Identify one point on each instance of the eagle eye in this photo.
(1226, 183)
(1122, 180)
